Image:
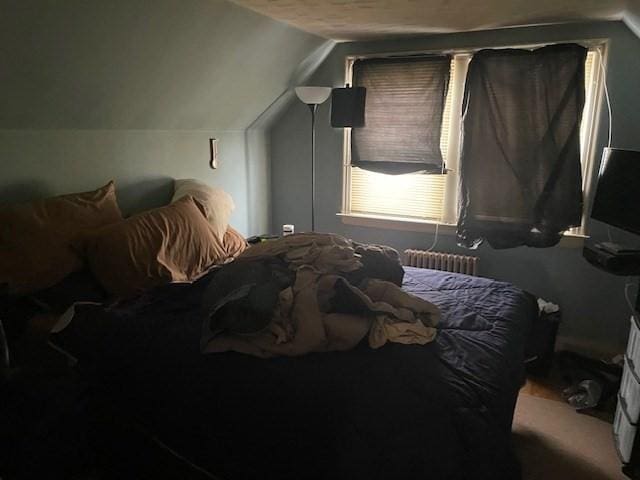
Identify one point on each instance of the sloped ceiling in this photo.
(142, 64)
(345, 20)
(632, 16)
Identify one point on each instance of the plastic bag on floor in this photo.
(585, 394)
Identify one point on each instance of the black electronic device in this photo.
(347, 107)
(617, 203)
(617, 249)
(261, 238)
(625, 263)
(617, 200)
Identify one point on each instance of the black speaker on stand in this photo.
(347, 107)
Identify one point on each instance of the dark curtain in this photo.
(520, 174)
(403, 114)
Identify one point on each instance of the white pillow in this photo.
(217, 203)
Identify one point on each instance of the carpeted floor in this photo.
(555, 442)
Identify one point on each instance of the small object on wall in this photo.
(213, 151)
(347, 106)
(287, 230)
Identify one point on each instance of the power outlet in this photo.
(288, 229)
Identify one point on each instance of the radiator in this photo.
(447, 262)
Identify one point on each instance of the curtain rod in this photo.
(590, 43)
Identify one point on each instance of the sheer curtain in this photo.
(520, 169)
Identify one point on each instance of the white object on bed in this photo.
(217, 203)
(62, 323)
(65, 319)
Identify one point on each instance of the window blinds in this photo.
(403, 114)
(409, 196)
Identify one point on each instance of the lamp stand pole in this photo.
(313, 107)
(313, 96)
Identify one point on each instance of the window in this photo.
(433, 198)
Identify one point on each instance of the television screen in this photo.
(617, 200)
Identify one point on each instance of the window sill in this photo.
(569, 240)
(396, 223)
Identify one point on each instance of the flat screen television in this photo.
(617, 200)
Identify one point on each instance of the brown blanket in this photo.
(312, 293)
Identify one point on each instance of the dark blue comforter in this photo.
(439, 411)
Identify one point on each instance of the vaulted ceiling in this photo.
(345, 20)
(203, 64)
(143, 64)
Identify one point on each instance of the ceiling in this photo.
(143, 65)
(346, 20)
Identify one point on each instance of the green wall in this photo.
(40, 163)
(133, 89)
(595, 312)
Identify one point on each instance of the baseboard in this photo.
(588, 347)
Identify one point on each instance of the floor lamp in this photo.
(313, 96)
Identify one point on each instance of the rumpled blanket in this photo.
(312, 293)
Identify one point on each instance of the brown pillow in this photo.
(234, 243)
(168, 244)
(36, 238)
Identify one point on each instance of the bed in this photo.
(438, 411)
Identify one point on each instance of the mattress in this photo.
(438, 411)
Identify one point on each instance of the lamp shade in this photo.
(313, 95)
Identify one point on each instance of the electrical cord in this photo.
(171, 451)
(435, 237)
(608, 99)
(626, 296)
(610, 132)
(437, 231)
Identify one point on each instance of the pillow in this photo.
(174, 243)
(217, 203)
(234, 243)
(36, 238)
